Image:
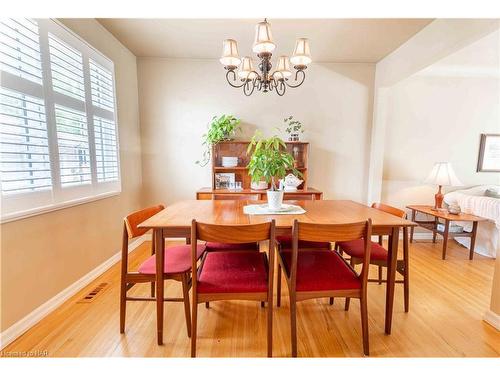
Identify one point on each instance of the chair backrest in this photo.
(300, 197)
(389, 209)
(134, 219)
(233, 234)
(331, 233)
(131, 230)
(236, 197)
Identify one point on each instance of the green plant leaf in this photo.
(220, 128)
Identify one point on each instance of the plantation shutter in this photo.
(20, 49)
(103, 100)
(58, 125)
(66, 65)
(24, 155)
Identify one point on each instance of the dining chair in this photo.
(317, 273)
(219, 246)
(233, 275)
(285, 242)
(177, 266)
(236, 197)
(379, 255)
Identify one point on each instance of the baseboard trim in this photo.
(20, 327)
(492, 319)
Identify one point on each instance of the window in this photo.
(58, 128)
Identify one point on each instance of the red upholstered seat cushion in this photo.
(219, 246)
(321, 270)
(286, 243)
(233, 272)
(177, 260)
(356, 249)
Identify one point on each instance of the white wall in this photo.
(438, 114)
(179, 97)
(439, 39)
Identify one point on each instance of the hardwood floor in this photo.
(447, 302)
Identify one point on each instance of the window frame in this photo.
(21, 205)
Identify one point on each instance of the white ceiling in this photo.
(480, 59)
(332, 40)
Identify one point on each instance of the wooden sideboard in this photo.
(311, 193)
(299, 151)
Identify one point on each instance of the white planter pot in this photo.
(274, 199)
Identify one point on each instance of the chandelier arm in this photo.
(234, 79)
(303, 74)
(247, 78)
(246, 88)
(259, 86)
(280, 90)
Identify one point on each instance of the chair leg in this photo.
(194, 323)
(348, 300)
(278, 287)
(270, 325)
(153, 286)
(331, 300)
(406, 260)
(185, 295)
(293, 324)
(123, 303)
(379, 275)
(364, 324)
(207, 305)
(406, 293)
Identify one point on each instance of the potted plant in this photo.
(270, 161)
(293, 128)
(222, 128)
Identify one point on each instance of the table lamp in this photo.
(442, 174)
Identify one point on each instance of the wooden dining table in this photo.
(175, 222)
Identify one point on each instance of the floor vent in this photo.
(94, 293)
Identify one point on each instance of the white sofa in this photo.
(474, 201)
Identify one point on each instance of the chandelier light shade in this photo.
(301, 54)
(247, 70)
(230, 56)
(248, 78)
(263, 42)
(283, 68)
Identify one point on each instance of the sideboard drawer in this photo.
(300, 195)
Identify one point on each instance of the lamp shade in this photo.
(247, 70)
(442, 174)
(230, 53)
(301, 53)
(263, 38)
(283, 68)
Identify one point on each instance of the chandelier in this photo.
(242, 74)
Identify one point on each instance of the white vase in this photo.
(274, 199)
